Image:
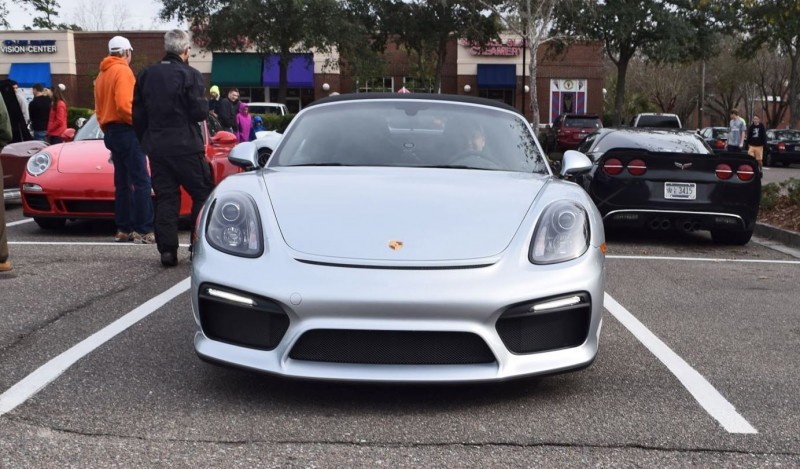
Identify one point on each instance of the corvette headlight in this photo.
(234, 226)
(561, 234)
(38, 163)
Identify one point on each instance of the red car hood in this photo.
(86, 156)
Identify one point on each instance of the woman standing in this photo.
(58, 116)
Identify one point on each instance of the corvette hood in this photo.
(86, 156)
(437, 214)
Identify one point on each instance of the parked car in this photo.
(715, 137)
(268, 108)
(783, 147)
(14, 158)
(75, 180)
(671, 180)
(400, 237)
(656, 119)
(569, 129)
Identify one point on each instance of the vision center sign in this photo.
(29, 46)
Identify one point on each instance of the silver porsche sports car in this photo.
(400, 237)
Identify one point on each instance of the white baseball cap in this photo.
(118, 44)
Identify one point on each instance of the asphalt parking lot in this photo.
(697, 366)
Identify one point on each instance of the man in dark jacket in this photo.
(19, 128)
(756, 138)
(168, 104)
(227, 109)
(39, 111)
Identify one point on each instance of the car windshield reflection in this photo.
(90, 130)
(411, 134)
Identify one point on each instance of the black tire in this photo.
(768, 160)
(732, 237)
(50, 223)
(785, 164)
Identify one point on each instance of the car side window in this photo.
(586, 143)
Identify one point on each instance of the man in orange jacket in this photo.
(113, 96)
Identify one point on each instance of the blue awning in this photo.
(27, 75)
(497, 76)
(300, 73)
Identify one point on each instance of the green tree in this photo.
(266, 26)
(775, 23)
(4, 15)
(660, 30)
(425, 28)
(48, 11)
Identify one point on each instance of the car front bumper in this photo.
(467, 301)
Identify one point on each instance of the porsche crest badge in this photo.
(395, 245)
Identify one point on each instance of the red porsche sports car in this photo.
(75, 180)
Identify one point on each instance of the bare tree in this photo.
(772, 75)
(531, 20)
(101, 15)
(668, 87)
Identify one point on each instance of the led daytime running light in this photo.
(230, 296)
(561, 302)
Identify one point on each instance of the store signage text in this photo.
(25, 46)
(510, 47)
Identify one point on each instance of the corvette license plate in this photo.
(680, 190)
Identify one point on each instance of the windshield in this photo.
(410, 133)
(582, 122)
(788, 134)
(90, 130)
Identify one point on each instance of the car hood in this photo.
(85, 156)
(365, 213)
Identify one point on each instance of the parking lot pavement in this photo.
(143, 397)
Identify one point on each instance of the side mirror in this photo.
(244, 155)
(68, 135)
(224, 137)
(79, 122)
(574, 162)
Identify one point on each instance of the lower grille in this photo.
(525, 332)
(392, 347)
(89, 206)
(37, 202)
(260, 326)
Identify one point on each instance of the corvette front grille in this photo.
(391, 347)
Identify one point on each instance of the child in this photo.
(243, 120)
(258, 126)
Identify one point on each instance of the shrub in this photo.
(770, 195)
(792, 188)
(73, 113)
(276, 122)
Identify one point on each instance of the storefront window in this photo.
(419, 85)
(504, 95)
(376, 85)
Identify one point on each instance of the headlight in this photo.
(561, 234)
(38, 163)
(234, 226)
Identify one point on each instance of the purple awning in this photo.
(299, 75)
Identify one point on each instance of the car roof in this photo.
(590, 116)
(259, 103)
(454, 98)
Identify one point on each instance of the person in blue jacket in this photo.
(258, 126)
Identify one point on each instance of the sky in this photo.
(142, 14)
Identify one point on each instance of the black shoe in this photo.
(169, 259)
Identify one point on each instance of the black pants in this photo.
(169, 174)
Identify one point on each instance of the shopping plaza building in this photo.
(570, 82)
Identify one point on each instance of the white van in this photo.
(268, 108)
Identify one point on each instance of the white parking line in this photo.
(51, 370)
(705, 394)
(703, 259)
(19, 222)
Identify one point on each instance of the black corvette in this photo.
(671, 180)
(783, 146)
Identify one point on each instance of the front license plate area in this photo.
(680, 190)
